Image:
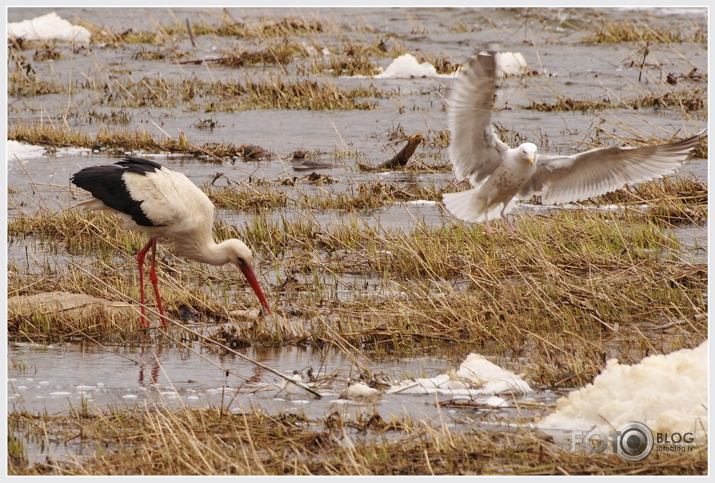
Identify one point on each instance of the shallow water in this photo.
(53, 379)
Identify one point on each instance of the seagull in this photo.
(502, 175)
(162, 203)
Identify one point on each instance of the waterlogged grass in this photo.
(671, 200)
(260, 28)
(690, 100)
(209, 96)
(364, 196)
(571, 279)
(214, 442)
(639, 31)
(121, 140)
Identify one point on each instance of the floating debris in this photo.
(361, 392)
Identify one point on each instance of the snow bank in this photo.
(475, 376)
(23, 151)
(406, 67)
(48, 27)
(510, 63)
(668, 393)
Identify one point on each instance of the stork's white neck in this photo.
(208, 251)
(215, 253)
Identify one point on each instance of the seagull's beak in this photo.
(251, 277)
(531, 160)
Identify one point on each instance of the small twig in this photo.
(646, 51)
(191, 34)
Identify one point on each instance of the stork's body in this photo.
(163, 204)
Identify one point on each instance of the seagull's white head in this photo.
(528, 152)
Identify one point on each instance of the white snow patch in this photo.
(668, 393)
(360, 392)
(23, 151)
(406, 66)
(496, 401)
(289, 389)
(17, 150)
(510, 63)
(48, 27)
(420, 202)
(475, 376)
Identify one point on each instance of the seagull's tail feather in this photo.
(466, 205)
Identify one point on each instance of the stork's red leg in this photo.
(155, 282)
(144, 322)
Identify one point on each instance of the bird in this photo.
(501, 175)
(162, 203)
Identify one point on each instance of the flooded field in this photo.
(283, 117)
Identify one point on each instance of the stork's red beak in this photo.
(251, 277)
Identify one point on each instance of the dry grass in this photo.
(209, 96)
(226, 26)
(639, 31)
(689, 101)
(121, 140)
(595, 282)
(210, 442)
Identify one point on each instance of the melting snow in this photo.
(476, 376)
(510, 63)
(22, 151)
(48, 27)
(668, 393)
(360, 392)
(407, 66)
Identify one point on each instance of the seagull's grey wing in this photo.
(561, 179)
(474, 149)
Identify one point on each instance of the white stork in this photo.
(163, 204)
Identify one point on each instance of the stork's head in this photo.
(242, 257)
(239, 253)
(528, 152)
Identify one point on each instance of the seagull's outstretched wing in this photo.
(562, 179)
(474, 149)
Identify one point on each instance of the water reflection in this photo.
(155, 364)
